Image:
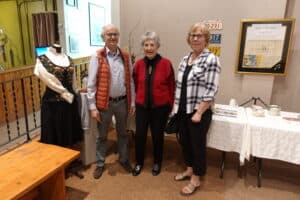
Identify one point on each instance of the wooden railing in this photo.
(20, 100)
(16, 87)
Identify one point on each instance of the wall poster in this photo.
(264, 46)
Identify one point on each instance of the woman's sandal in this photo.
(182, 177)
(191, 188)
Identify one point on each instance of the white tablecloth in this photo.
(89, 126)
(227, 133)
(84, 111)
(273, 137)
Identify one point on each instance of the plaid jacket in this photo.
(202, 81)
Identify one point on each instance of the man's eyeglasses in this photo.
(112, 34)
(192, 36)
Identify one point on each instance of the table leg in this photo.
(240, 170)
(51, 189)
(54, 187)
(222, 164)
(259, 171)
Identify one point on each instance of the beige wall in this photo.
(286, 90)
(171, 19)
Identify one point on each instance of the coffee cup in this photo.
(274, 110)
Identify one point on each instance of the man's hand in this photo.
(95, 115)
(83, 90)
(132, 111)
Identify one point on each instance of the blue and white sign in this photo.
(215, 38)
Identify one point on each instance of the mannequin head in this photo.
(57, 48)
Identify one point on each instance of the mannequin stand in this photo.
(73, 169)
(254, 100)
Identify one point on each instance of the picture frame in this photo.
(96, 22)
(264, 46)
(72, 3)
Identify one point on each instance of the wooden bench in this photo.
(35, 171)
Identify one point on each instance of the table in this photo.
(227, 132)
(35, 171)
(272, 137)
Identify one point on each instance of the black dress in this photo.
(60, 120)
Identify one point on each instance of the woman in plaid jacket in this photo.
(196, 87)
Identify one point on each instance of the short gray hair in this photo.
(107, 26)
(150, 35)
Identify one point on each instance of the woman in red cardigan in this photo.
(154, 81)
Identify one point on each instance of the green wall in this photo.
(9, 22)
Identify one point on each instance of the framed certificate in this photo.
(264, 46)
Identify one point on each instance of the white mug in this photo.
(274, 110)
(233, 102)
(258, 111)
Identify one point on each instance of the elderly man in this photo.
(110, 92)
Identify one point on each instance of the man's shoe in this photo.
(98, 172)
(126, 165)
(156, 169)
(137, 170)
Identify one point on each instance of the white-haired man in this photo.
(110, 92)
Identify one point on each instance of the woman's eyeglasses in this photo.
(192, 36)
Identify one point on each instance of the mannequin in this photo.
(60, 120)
(57, 48)
(57, 56)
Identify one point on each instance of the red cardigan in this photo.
(162, 83)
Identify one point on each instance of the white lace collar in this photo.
(60, 59)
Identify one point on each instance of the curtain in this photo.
(45, 28)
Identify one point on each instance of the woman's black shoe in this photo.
(137, 170)
(156, 169)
